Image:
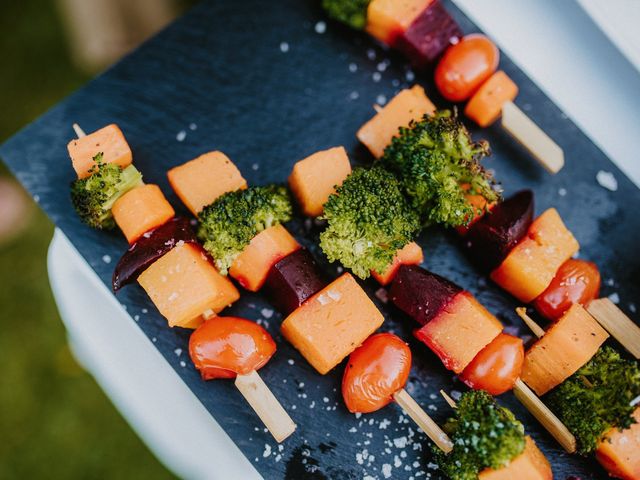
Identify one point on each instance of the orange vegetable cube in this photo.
(619, 451)
(332, 323)
(410, 104)
(410, 254)
(317, 176)
(267, 248)
(183, 284)
(459, 331)
(486, 104)
(480, 205)
(200, 181)
(532, 264)
(565, 347)
(531, 464)
(140, 210)
(388, 19)
(108, 140)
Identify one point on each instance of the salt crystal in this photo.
(320, 27)
(267, 312)
(106, 259)
(384, 424)
(290, 361)
(183, 364)
(371, 54)
(615, 298)
(284, 47)
(178, 351)
(396, 461)
(353, 430)
(632, 307)
(181, 135)
(381, 99)
(154, 339)
(400, 442)
(255, 166)
(386, 470)
(193, 126)
(376, 77)
(410, 76)
(607, 180)
(562, 192)
(267, 450)
(353, 68)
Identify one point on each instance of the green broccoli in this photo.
(597, 397)
(484, 435)
(439, 164)
(350, 12)
(368, 220)
(93, 197)
(230, 223)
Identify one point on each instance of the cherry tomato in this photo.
(576, 281)
(498, 365)
(465, 66)
(224, 347)
(375, 371)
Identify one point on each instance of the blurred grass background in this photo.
(55, 422)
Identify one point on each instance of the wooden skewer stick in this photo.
(424, 421)
(614, 321)
(536, 407)
(533, 326)
(448, 399)
(377, 108)
(262, 400)
(532, 137)
(79, 132)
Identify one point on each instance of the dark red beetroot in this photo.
(420, 293)
(429, 35)
(292, 280)
(150, 247)
(491, 238)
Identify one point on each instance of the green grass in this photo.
(55, 422)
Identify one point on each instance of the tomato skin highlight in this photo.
(576, 281)
(224, 347)
(375, 371)
(497, 367)
(465, 66)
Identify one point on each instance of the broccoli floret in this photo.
(230, 223)
(350, 12)
(597, 397)
(93, 197)
(439, 164)
(368, 220)
(484, 435)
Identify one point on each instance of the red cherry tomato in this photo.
(465, 66)
(498, 365)
(375, 371)
(576, 281)
(224, 347)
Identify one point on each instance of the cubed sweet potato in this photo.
(619, 451)
(388, 19)
(410, 254)
(109, 141)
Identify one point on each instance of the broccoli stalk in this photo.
(597, 397)
(439, 165)
(349, 12)
(230, 223)
(484, 435)
(93, 197)
(368, 220)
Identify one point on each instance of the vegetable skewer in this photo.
(187, 289)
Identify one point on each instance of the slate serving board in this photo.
(266, 84)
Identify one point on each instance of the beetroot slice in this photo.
(491, 238)
(149, 248)
(292, 280)
(429, 35)
(420, 293)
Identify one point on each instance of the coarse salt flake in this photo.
(607, 180)
(320, 27)
(284, 47)
(106, 259)
(181, 135)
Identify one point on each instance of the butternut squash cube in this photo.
(531, 464)
(332, 323)
(316, 177)
(183, 284)
(388, 19)
(565, 347)
(410, 104)
(108, 140)
(532, 264)
(619, 451)
(200, 181)
(267, 248)
(140, 210)
(410, 254)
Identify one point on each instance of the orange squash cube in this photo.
(332, 323)
(480, 205)
(200, 181)
(267, 248)
(410, 254)
(108, 140)
(485, 106)
(183, 284)
(388, 19)
(317, 176)
(460, 331)
(531, 464)
(140, 210)
(565, 347)
(410, 104)
(619, 451)
(532, 264)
